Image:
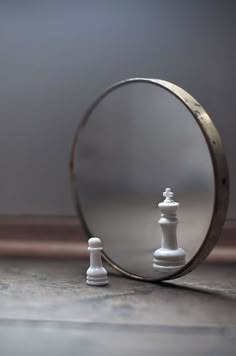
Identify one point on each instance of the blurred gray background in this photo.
(57, 56)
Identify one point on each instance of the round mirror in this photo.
(138, 138)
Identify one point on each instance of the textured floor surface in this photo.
(47, 309)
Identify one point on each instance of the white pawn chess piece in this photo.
(96, 274)
(168, 258)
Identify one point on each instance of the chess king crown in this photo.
(168, 206)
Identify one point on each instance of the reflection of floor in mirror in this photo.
(139, 261)
(47, 309)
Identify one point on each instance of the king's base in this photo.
(97, 281)
(169, 261)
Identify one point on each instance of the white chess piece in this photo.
(96, 274)
(168, 258)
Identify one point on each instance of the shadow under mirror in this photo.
(138, 140)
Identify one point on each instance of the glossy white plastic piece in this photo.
(96, 274)
(168, 258)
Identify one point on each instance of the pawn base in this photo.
(97, 281)
(169, 261)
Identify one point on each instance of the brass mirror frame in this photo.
(220, 169)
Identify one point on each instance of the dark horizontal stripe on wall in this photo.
(44, 236)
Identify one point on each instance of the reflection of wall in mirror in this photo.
(151, 141)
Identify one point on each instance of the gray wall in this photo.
(56, 56)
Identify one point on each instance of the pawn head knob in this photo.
(94, 242)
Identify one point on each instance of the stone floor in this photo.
(47, 309)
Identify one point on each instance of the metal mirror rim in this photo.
(220, 170)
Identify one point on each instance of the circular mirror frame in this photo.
(219, 163)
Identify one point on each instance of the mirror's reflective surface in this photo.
(139, 140)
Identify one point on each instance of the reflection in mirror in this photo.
(169, 257)
(139, 140)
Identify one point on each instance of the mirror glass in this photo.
(138, 141)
